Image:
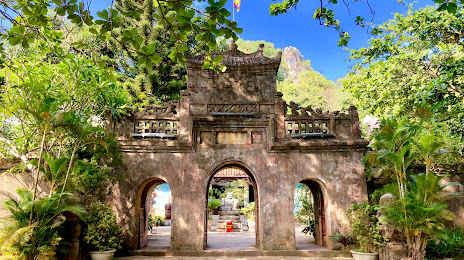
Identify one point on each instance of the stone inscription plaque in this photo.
(206, 138)
(232, 137)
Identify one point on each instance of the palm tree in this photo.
(394, 151)
(36, 239)
(421, 214)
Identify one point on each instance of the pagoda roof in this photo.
(236, 58)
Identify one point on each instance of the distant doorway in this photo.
(155, 214)
(310, 215)
(232, 200)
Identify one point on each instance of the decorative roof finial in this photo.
(233, 45)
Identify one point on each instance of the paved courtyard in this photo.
(230, 258)
(161, 237)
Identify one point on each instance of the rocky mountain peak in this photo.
(293, 63)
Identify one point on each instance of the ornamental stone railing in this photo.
(308, 122)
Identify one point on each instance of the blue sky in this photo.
(317, 43)
(298, 29)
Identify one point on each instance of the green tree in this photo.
(164, 80)
(304, 205)
(412, 65)
(393, 151)
(36, 21)
(420, 214)
(418, 208)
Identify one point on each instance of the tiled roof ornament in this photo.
(234, 58)
(233, 46)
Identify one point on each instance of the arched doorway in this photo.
(232, 197)
(310, 230)
(154, 214)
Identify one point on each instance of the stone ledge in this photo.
(314, 254)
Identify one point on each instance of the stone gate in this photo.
(238, 119)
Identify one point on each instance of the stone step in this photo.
(323, 254)
(229, 212)
(227, 220)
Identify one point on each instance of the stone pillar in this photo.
(277, 229)
(188, 217)
(185, 127)
(280, 110)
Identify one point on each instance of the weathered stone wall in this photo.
(276, 176)
(456, 205)
(12, 181)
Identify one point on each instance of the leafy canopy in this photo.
(35, 21)
(415, 64)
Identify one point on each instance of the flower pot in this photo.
(364, 256)
(102, 255)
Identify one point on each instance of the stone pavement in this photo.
(231, 258)
(160, 239)
(234, 246)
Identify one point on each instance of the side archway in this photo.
(142, 211)
(320, 202)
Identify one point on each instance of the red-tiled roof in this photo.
(231, 173)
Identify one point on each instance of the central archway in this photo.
(234, 170)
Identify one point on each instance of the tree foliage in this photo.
(304, 205)
(162, 81)
(36, 237)
(415, 64)
(239, 189)
(35, 21)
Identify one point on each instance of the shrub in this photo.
(420, 216)
(365, 225)
(344, 240)
(156, 220)
(450, 243)
(31, 229)
(249, 209)
(214, 204)
(103, 232)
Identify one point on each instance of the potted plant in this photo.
(345, 241)
(103, 232)
(365, 228)
(213, 206)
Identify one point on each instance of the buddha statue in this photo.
(229, 203)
